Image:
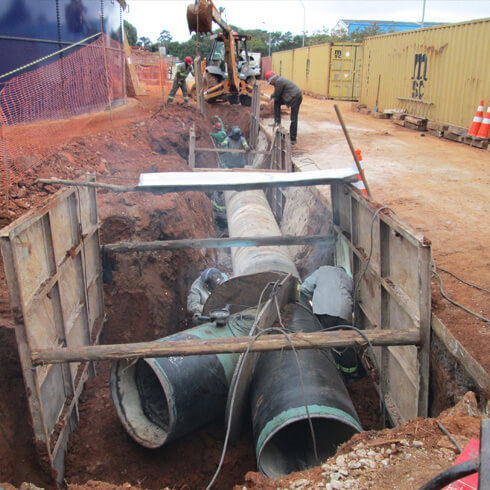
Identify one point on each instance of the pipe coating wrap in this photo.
(282, 434)
(249, 214)
(159, 400)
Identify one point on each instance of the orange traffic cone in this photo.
(484, 130)
(475, 125)
(359, 184)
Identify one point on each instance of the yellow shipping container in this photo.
(317, 69)
(282, 63)
(331, 70)
(300, 66)
(440, 73)
(345, 60)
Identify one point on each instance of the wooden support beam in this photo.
(241, 169)
(166, 182)
(228, 150)
(97, 185)
(192, 147)
(192, 347)
(217, 243)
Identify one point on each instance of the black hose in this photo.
(452, 474)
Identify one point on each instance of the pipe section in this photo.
(159, 400)
(282, 434)
(249, 214)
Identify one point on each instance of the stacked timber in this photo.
(399, 119)
(415, 122)
(455, 133)
(436, 128)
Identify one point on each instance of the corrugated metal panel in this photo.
(315, 70)
(319, 65)
(265, 66)
(300, 67)
(440, 72)
(344, 69)
(282, 63)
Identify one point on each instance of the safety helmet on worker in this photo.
(212, 278)
(235, 132)
(188, 60)
(269, 76)
(218, 125)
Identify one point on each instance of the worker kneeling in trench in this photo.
(328, 291)
(235, 141)
(200, 290)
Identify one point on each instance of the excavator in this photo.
(228, 75)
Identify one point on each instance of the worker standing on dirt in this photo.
(201, 288)
(183, 70)
(235, 141)
(329, 289)
(220, 134)
(288, 93)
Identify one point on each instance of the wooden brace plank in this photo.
(216, 243)
(316, 340)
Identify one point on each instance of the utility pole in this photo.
(304, 21)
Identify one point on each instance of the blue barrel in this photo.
(159, 400)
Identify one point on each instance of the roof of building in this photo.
(397, 22)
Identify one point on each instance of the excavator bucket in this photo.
(200, 17)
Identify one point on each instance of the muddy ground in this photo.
(437, 186)
(147, 297)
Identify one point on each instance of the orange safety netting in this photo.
(43, 108)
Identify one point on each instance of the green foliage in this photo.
(260, 40)
(131, 33)
(359, 34)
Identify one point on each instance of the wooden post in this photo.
(353, 151)
(201, 105)
(192, 147)
(106, 68)
(192, 347)
(255, 116)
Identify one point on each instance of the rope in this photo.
(49, 56)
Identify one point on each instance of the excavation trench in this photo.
(146, 300)
(159, 401)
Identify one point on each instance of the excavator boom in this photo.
(200, 17)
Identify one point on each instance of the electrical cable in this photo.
(370, 345)
(462, 280)
(239, 373)
(455, 303)
(356, 289)
(300, 372)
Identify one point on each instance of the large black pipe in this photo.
(161, 399)
(282, 432)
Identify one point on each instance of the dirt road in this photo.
(439, 187)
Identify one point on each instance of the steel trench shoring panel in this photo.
(392, 264)
(54, 274)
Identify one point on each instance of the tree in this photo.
(165, 37)
(144, 42)
(131, 33)
(359, 34)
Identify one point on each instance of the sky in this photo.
(150, 17)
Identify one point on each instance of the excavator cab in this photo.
(226, 76)
(216, 69)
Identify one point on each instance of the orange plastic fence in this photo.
(42, 109)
